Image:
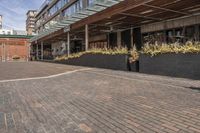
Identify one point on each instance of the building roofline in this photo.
(31, 11)
(16, 36)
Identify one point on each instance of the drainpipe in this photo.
(4, 52)
(37, 55)
(1, 52)
(42, 50)
(68, 43)
(86, 37)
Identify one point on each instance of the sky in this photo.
(14, 12)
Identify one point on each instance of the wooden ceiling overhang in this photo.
(131, 13)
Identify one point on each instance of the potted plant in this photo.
(134, 60)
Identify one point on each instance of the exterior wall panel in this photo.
(98, 41)
(171, 24)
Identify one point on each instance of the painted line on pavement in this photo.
(45, 77)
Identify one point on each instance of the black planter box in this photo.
(115, 62)
(177, 65)
(134, 66)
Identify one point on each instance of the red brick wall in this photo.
(10, 47)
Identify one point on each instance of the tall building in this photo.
(1, 21)
(30, 22)
(82, 24)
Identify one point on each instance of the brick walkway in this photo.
(102, 101)
(16, 70)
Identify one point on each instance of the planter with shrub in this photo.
(116, 59)
(171, 60)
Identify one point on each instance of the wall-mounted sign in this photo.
(67, 29)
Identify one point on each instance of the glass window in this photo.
(189, 33)
(179, 35)
(64, 2)
(79, 5)
(73, 8)
(199, 33)
(58, 5)
(90, 2)
(170, 36)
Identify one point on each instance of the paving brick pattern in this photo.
(18, 70)
(100, 101)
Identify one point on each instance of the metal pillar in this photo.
(29, 51)
(108, 40)
(42, 50)
(119, 41)
(86, 37)
(4, 52)
(1, 55)
(68, 43)
(132, 44)
(37, 54)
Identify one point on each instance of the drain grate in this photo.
(195, 88)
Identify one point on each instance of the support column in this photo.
(42, 50)
(137, 38)
(4, 52)
(86, 37)
(119, 39)
(37, 54)
(132, 44)
(108, 40)
(196, 27)
(68, 43)
(30, 51)
(1, 55)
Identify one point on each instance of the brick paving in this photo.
(99, 101)
(18, 70)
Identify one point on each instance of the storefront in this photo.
(122, 24)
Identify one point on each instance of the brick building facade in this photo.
(14, 47)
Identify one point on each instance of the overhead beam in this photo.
(140, 16)
(166, 9)
(118, 8)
